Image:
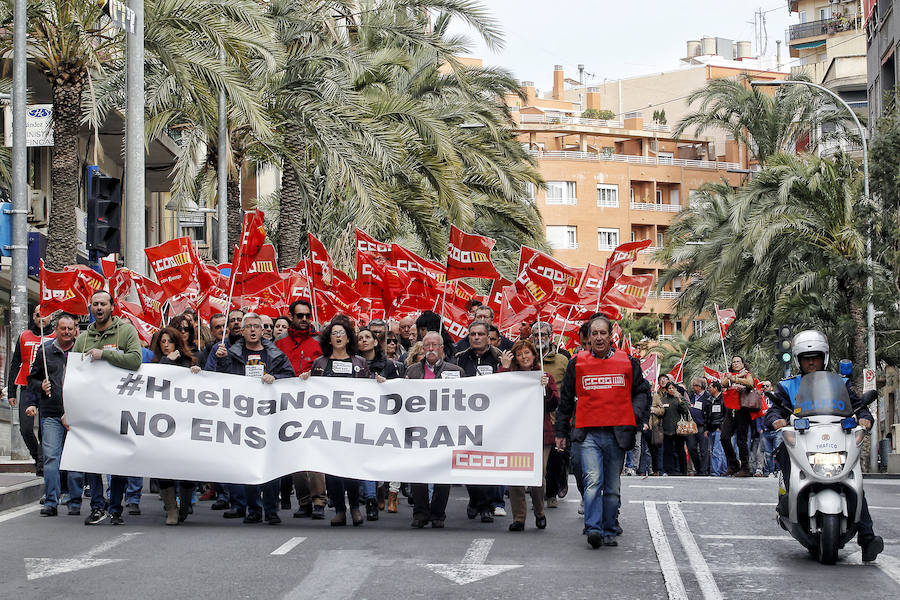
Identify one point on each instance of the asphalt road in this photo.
(684, 538)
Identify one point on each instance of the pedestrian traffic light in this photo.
(104, 208)
(784, 344)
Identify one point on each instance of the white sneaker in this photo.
(629, 472)
(499, 511)
(552, 502)
(581, 508)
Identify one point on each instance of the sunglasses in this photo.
(184, 329)
(267, 326)
(391, 341)
(302, 315)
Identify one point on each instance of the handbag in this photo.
(751, 399)
(686, 426)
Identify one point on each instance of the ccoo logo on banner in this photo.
(164, 421)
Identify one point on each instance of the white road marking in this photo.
(18, 512)
(730, 488)
(873, 482)
(288, 546)
(888, 565)
(337, 574)
(716, 502)
(671, 576)
(884, 507)
(653, 487)
(37, 568)
(745, 537)
(472, 567)
(701, 569)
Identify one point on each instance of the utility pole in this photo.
(222, 180)
(18, 296)
(135, 227)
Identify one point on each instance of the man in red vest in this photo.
(19, 366)
(613, 404)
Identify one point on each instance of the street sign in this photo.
(868, 380)
(120, 15)
(38, 125)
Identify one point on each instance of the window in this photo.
(825, 13)
(697, 326)
(659, 240)
(659, 196)
(676, 326)
(631, 195)
(607, 239)
(561, 192)
(529, 190)
(562, 237)
(665, 157)
(676, 285)
(608, 195)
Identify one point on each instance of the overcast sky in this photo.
(615, 38)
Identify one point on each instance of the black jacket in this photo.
(625, 434)
(278, 365)
(698, 405)
(469, 362)
(52, 405)
(360, 367)
(713, 413)
(387, 368)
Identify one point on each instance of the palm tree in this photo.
(81, 54)
(766, 123)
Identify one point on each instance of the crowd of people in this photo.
(620, 429)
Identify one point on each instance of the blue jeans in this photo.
(268, 504)
(770, 440)
(52, 445)
(117, 484)
(601, 462)
(368, 489)
(719, 462)
(133, 488)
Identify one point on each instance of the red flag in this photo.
(469, 255)
(495, 296)
(426, 278)
(535, 286)
(630, 291)
(725, 317)
(591, 281)
(257, 271)
(515, 308)
(329, 304)
(89, 280)
(456, 321)
(650, 368)
(173, 264)
(366, 244)
(120, 283)
(460, 294)
(145, 330)
(711, 374)
(108, 264)
(152, 297)
(617, 335)
(60, 291)
(677, 372)
(565, 278)
(189, 298)
(269, 302)
(296, 286)
(621, 258)
(253, 233)
(214, 301)
(322, 271)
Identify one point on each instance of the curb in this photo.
(21, 494)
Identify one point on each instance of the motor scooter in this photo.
(821, 505)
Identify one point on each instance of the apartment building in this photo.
(618, 180)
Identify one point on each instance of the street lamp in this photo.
(870, 309)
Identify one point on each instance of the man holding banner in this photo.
(115, 341)
(613, 402)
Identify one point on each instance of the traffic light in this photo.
(104, 218)
(784, 344)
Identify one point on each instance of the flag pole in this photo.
(721, 337)
(443, 304)
(540, 338)
(565, 326)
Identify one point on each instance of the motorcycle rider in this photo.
(810, 350)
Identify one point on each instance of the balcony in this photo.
(656, 207)
(830, 26)
(632, 159)
(560, 120)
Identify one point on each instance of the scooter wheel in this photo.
(829, 539)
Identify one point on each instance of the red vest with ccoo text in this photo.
(29, 344)
(603, 388)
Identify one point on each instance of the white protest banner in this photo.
(164, 421)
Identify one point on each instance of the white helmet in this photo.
(809, 342)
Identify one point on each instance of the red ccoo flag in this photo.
(60, 291)
(322, 267)
(725, 317)
(173, 263)
(621, 258)
(677, 372)
(535, 286)
(711, 374)
(630, 291)
(469, 255)
(650, 368)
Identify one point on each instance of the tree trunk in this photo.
(291, 218)
(860, 353)
(235, 213)
(61, 244)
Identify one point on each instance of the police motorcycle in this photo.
(823, 440)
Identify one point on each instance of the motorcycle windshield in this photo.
(822, 393)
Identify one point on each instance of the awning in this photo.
(815, 44)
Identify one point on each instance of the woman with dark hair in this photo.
(524, 357)
(392, 346)
(675, 407)
(185, 326)
(169, 348)
(282, 325)
(736, 382)
(338, 343)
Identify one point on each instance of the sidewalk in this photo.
(17, 489)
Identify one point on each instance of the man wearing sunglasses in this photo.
(302, 348)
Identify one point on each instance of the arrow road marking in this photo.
(36, 568)
(288, 546)
(889, 565)
(338, 575)
(695, 557)
(472, 567)
(671, 576)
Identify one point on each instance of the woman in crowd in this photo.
(338, 344)
(185, 326)
(392, 346)
(523, 357)
(282, 324)
(169, 348)
(675, 406)
(738, 381)
(416, 353)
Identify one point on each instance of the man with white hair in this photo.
(433, 366)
